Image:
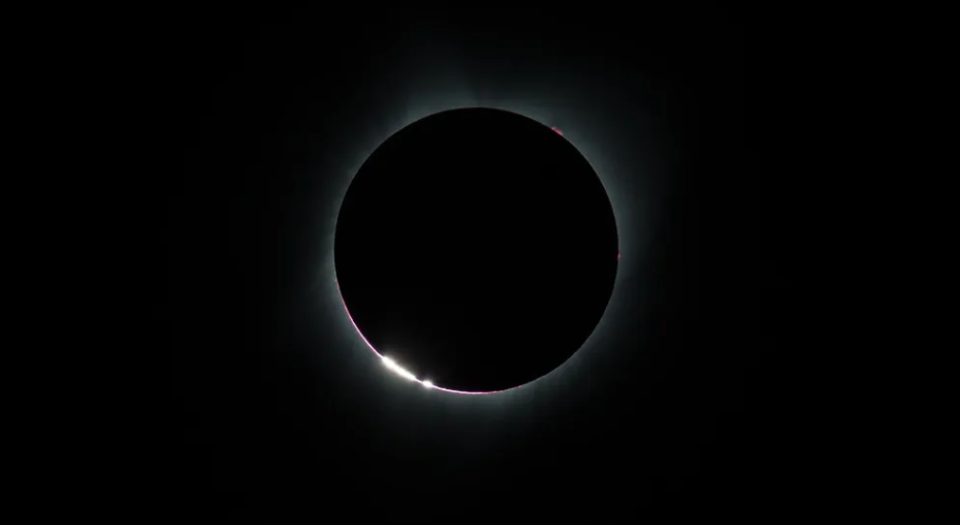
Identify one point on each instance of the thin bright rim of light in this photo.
(397, 369)
(538, 116)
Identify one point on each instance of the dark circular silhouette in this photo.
(476, 249)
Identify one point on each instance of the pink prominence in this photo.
(557, 130)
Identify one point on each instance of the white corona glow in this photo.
(630, 170)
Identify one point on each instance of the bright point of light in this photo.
(427, 383)
(392, 365)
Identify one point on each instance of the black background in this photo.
(280, 413)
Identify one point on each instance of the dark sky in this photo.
(280, 412)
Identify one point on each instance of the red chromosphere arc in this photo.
(557, 130)
(382, 358)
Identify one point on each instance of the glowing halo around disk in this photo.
(630, 171)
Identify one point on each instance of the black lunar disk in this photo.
(477, 249)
